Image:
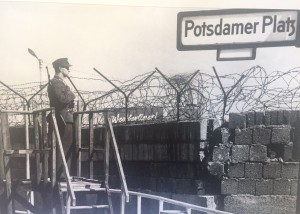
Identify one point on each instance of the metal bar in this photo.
(91, 145)
(141, 83)
(168, 81)
(188, 82)
(14, 91)
(110, 82)
(119, 163)
(42, 87)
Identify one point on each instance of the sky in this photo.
(121, 39)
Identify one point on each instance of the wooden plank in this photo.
(25, 203)
(91, 145)
(25, 151)
(139, 205)
(106, 165)
(119, 163)
(65, 166)
(7, 172)
(78, 139)
(45, 156)
(37, 146)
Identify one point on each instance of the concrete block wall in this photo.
(262, 163)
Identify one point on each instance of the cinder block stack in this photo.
(260, 161)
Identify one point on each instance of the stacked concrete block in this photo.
(261, 155)
(221, 153)
(253, 170)
(237, 120)
(236, 170)
(240, 153)
(264, 187)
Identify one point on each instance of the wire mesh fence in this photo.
(155, 97)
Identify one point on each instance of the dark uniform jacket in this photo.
(61, 98)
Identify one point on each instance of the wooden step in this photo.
(89, 207)
(172, 212)
(81, 186)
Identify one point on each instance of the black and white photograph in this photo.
(149, 107)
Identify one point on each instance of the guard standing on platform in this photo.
(62, 99)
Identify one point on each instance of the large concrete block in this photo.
(237, 120)
(294, 186)
(221, 153)
(282, 187)
(281, 135)
(225, 135)
(264, 187)
(250, 119)
(253, 170)
(290, 170)
(246, 186)
(288, 152)
(259, 118)
(261, 135)
(240, 153)
(243, 136)
(247, 204)
(229, 187)
(271, 118)
(258, 153)
(272, 170)
(216, 168)
(236, 170)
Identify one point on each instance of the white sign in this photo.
(214, 30)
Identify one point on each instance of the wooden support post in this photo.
(37, 146)
(78, 139)
(53, 169)
(139, 204)
(106, 164)
(44, 147)
(7, 169)
(91, 146)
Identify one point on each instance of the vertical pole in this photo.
(53, 164)
(6, 145)
(44, 147)
(78, 139)
(139, 204)
(122, 210)
(91, 146)
(106, 165)
(26, 118)
(161, 206)
(37, 147)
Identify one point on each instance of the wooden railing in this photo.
(110, 139)
(185, 207)
(41, 151)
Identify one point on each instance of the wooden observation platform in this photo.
(61, 196)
